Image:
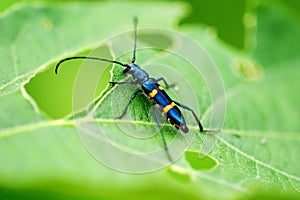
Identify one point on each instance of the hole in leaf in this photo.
(199, 161)
(53, 93)
(180, 173)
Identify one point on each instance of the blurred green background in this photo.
(255, 45)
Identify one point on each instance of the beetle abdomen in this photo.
(160, 97)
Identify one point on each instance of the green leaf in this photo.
(256, 151)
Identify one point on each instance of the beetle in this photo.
(151, 88)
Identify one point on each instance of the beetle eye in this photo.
(125, 70)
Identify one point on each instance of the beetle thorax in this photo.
(138, 74)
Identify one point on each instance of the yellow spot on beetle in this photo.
(161, 88)
(153, 93)
(168, 107)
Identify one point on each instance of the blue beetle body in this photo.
(156, 93)
(160, 97)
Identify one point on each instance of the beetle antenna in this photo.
(135, 21)
(90, 58)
